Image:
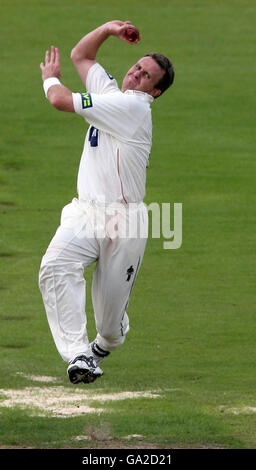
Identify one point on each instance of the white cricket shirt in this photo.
(118, 141)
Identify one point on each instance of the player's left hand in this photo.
(51, 68)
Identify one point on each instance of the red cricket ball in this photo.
(132, 34)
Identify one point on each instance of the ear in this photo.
(156, 92)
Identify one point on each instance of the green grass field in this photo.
(192, 313)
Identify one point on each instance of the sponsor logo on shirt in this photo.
(86, 100)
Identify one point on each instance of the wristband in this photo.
(48, 82)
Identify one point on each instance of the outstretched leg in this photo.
(62, 283)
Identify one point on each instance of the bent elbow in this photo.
(74, 56)
(61, 98)
(62, 102)
(55, 101)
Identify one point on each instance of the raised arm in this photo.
(59, 96)
(83, 55)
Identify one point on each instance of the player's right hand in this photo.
(119, 29)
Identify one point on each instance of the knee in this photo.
(54, 272)
(46, 270)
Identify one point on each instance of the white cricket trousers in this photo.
(114, 236)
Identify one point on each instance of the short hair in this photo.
(167, 79)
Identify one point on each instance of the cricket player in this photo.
(107, 222)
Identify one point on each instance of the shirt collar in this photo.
(141, 94)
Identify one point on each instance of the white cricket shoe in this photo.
(83, 368)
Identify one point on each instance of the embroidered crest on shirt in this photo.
(129, 272)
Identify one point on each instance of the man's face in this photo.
(143, 76)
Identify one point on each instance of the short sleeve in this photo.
(99, 81)
(115, 113)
